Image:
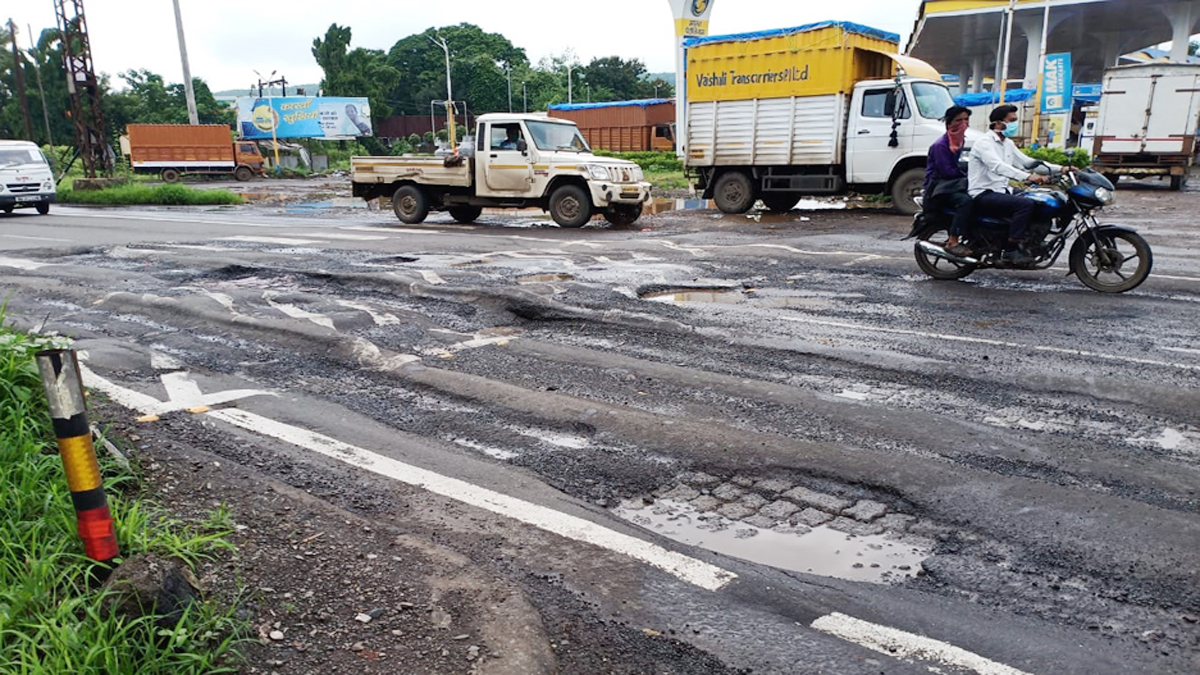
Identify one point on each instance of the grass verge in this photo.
(51, 621)
(667, 180)
(136, 194)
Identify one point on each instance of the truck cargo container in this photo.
(623, 126)
(172, 150)
(1149, 116)
(813, 110)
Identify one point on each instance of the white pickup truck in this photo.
(515, 161)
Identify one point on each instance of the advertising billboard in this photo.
(1056, 84)
(267, 117)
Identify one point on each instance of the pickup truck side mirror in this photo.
(522, 146)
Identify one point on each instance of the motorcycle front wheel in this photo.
(939, 268)
(1112, 262)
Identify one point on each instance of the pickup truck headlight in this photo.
(638, 175)
(597, 172)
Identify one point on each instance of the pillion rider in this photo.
(995, 161)
(945, 180)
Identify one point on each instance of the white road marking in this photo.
(1165, 276)
(184, 393)
(295, 312)
(477, 342)
(386, 229)
(431, 277)
(996, 343)
(685, 568)
(1181, 350)
(21, 264)
(21, 236)
(199, 247)
(340, 235)
(901, 645)
(380, 318)
(285, 241)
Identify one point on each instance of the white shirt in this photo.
(994, 162)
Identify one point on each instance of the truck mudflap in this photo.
(604, 194)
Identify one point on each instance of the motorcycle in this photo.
(1105, 257)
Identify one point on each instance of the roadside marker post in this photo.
(64, 393)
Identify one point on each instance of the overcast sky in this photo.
(228, 40)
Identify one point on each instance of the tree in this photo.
(615, 79)
(355, 72)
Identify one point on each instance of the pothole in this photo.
(393, 259)
(821, 550)
(544, 278)
(727, 296)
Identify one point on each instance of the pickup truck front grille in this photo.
(20, 188)
(620, 175)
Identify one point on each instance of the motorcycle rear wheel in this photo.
(939, 268)
(1106, 266)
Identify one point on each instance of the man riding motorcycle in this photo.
(995, 161)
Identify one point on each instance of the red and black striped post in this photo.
(64, 393)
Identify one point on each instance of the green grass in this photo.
(667, 180)
(137, 194)
(51, 620)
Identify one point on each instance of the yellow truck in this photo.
(513, 161)
(813, 110)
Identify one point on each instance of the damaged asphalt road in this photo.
(717, 444)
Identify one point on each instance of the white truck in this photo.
(514, 161)
(1149, 116)
(25, 177)
(813, 110)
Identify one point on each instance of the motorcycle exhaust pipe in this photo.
(939, 252)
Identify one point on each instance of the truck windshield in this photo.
(19, 156)
(555, 136)
(933, 100)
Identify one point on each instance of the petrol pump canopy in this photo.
(952, 34)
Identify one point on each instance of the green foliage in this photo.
(51, 620)
(148, 99)
(1079, 158)
(140, 194)
(355, 72)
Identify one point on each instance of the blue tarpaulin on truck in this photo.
(758, 35)
(990, 98)
(641, 103)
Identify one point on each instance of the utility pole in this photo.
(525, 95)
(37, 70)
(570, 91)
(450, 125)
(193, 116)
(19, 75)
(508, 69)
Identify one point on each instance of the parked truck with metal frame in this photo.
(1149, 116)
(512, 162)
(643, 125)
(813, 110)
(173, 150)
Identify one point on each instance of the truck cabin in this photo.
(246, 154)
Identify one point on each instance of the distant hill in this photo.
(650, 77)
(230, 94)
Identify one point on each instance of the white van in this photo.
(25, 177)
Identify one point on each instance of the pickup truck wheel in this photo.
(905, 191)
(243, 173)
(570, 206)
(1178, 183)
(170, 175)
(410, 204)
(734, 193)
(43, 208)
(623, 215)
(465, 214)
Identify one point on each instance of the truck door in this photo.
(869, 155)
(507, 170)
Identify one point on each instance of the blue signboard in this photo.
(1056, 84)
(264, 118)
(1088, 92)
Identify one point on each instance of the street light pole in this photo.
(193, 115)
(508, 69)
(525, 95)
(570, 91)
(450, 131)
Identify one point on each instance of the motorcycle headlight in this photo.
(1105, 196)
(597, 172)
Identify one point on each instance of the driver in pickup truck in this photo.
(513, 138)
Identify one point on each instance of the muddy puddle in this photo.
(726, 296)
(821, 551)
(326, 204)
(544, 278)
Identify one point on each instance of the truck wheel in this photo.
(410, 204)
(170, 175)
(465, 214)
(8, 209)
(1178, 182)
(779, 202)
(570, 206)
(905, 191)
(623, 215)
(734, 193)
(43, 208)
(243, 173)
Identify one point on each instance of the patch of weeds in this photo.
(139, 194)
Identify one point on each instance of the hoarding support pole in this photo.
(691, 20)
(189, 92)
(1012, 12)
(1037, 110)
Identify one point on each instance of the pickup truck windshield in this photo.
(555, 136)
(20, 156)
(933, 100)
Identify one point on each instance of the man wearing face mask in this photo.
(946, 182)
(995, 161)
